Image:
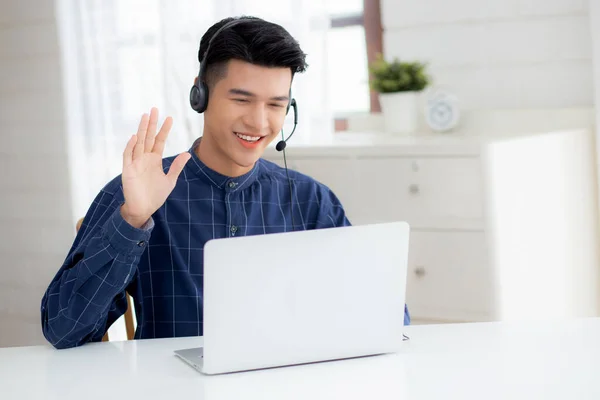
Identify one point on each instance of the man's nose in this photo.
(257, 118)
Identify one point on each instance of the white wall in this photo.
(527, 60)
(595, 25)
(36, 227)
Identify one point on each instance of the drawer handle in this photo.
(413, 188)
(420, 272)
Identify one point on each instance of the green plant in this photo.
(397, 76)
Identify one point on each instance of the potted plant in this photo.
(399, 84)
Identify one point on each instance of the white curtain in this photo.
(121, 57)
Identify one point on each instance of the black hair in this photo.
(255, 41)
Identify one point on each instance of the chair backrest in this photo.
(129, 325)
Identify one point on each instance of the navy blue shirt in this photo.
(161, 264)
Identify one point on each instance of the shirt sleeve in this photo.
(88, 292)
(331, 212)
(331, 215)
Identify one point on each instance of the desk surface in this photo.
(533, 360)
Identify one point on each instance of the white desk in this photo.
(556, 360)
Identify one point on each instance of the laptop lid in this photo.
(299, 297)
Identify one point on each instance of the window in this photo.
(354, 39)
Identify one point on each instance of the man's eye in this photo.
(277, 105)
(241, 100)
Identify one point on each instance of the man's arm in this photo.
(331, 212)
(331, 215)
(88, 293)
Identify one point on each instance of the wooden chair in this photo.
(129, 326)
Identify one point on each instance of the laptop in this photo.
(301, 297)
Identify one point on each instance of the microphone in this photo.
(280, 146)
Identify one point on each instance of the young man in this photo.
(146, 229)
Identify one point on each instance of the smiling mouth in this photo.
(248, 138)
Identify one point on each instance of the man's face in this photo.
(246, 110)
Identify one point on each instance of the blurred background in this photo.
(492, 159)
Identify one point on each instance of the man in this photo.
(146, 229)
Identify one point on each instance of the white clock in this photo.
(442, 111)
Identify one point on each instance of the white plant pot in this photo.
(400, 112)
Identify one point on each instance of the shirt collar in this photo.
(214, 178)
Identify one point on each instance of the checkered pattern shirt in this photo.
(161, 264)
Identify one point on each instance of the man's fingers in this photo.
(141, 137)
(151, 129)
(128, 152)
(159, 142)
(177, 166)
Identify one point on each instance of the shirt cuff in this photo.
(125, 238)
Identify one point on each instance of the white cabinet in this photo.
(480, 212)
(447, 276)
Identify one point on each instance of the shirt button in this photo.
(233, 229)
(232, 184)
(141, 243)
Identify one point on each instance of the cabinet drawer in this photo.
(449, 277)
(434, 192)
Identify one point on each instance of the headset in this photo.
(199, 101)
(199, 91)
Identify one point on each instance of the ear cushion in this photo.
(199, 97)
(287, 110)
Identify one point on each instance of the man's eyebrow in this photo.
(242, 92)
(280, 98)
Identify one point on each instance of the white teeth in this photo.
(247, 138)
